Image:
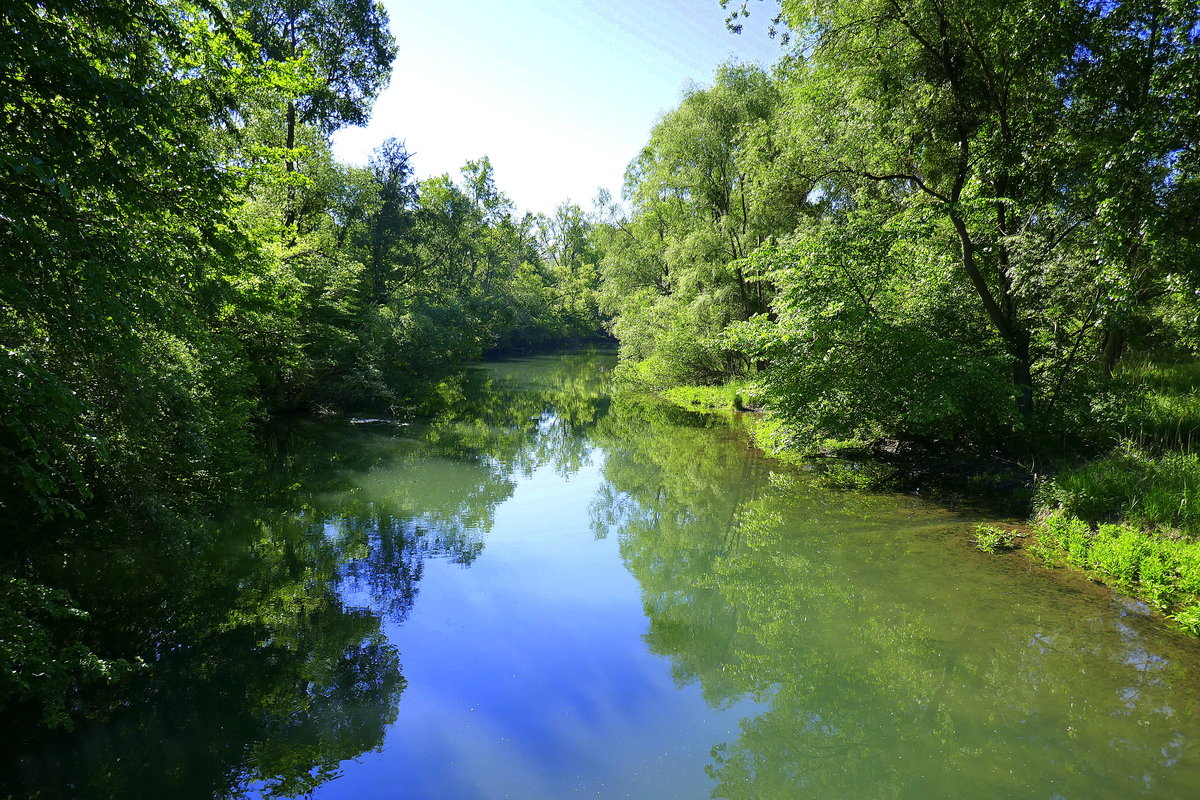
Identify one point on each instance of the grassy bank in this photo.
(725, 398)
(1155, 566)
(1129, 517)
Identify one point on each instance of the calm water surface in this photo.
(548, 592)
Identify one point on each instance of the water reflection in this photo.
(255, 672)
(264, 665)
(890, 661)
(794, 642)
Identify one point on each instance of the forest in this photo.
(959, 233)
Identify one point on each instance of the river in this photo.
(550, 591)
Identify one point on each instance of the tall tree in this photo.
(1000, 120)
(345, 44)
(392, 220)
(675, 278)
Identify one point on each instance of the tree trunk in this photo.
(289, 215)
(1111, 349)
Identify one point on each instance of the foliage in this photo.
(184, 258)
(345, 43)
(869, 341)
(990, 538)
(941, 222)
(119, 254)
(673, 277)
(1130, 484)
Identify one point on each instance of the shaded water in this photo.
(546, 592)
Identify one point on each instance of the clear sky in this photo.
(560, 94)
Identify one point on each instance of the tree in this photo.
(674, 278)
(392, 220)
(345, 46)
(1004, 131)
(119, 252)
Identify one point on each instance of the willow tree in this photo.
(679, 279)
(978, 137)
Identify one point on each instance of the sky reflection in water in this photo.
(548, 592)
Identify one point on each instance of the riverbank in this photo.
(1127, 517)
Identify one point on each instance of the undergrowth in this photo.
(1131, 518)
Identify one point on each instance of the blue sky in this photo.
(560, 94)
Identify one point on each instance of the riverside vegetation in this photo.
(953, 235)
(184, 258)
(961, 230)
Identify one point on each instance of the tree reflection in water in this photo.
(264, 660)
(881, 664)
(868, 654)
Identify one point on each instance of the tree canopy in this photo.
(933, 220)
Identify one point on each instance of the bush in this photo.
(909, 361)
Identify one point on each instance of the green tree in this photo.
(676, 278)
(391, 221)
(993, 119)
(345, 48)
(120, 254)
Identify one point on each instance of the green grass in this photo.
(1175, 377)
(1151, 478)
(1132, 486)
(729, 397)
(1164, 407)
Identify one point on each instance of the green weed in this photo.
(1188, 619)
(1160, 569)
(991, 539)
